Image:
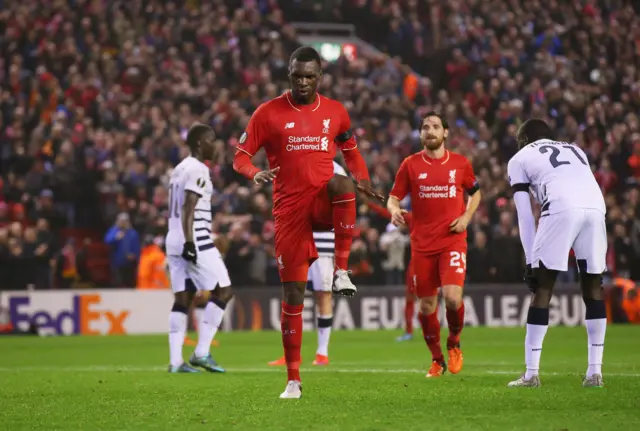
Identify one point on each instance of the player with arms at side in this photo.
(300, 132)
(195, 264)
(321, 280)
(410, 294)
(572, 217)
(437, 179)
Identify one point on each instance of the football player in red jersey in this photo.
(410, 294)
(301, 131)
(437, 179)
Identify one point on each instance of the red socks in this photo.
(431, 332)
(344, 223)
(455, 319)
(291, 326)
(408, 315)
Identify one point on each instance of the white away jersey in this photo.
(326, 241)
(558, 175)
(192, 175)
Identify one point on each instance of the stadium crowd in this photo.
(96, 98)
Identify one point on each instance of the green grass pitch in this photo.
(373, 383)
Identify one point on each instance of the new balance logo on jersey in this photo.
(422, 176)
(452, 176)
(289, 125)
(308, 143)
(325, 125)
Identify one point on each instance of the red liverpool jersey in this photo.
(437, 189)
(300, 139)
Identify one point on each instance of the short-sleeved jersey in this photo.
(190, 175)
(300, 139)
(557, 174)
(326, 241)
(437, 188)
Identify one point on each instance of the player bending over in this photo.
(572, 217)
(436, 179)
(300, 132)
(410, 294)
(321, 278)
(194, 261)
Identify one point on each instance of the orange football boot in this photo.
(278, 362)
(437, 369)
(455, 360)
(321, 360)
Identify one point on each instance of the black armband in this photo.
(344, 137)
(520, 187)
(473, 189)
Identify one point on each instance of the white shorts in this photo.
(321, 274)
(209, 272)
(583, 230)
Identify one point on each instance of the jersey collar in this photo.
(430, 161)
(313, 107)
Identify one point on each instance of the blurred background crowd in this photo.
(97, 95)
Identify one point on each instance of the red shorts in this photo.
(410, 279)
(295, 248)
(448, 267)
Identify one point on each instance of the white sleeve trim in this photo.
(244, 151)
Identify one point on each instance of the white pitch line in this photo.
(555, 373)
(125, 368)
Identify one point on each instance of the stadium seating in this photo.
(97, 99)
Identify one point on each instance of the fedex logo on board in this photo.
(81, 317)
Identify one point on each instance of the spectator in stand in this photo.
(65, 266)
(152, 269)
(239, 254)
(480, 265)
(85, 277)
(124, 243)
(394, 243)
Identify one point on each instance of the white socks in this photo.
(533, 348)
(596, 329)
(324, 333)
(198, 315)
(177, 332)
(537, 324)
(207, 328)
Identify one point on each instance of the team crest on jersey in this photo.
(325, 125)
(452, 176)
(200, 182)
(243, 138)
